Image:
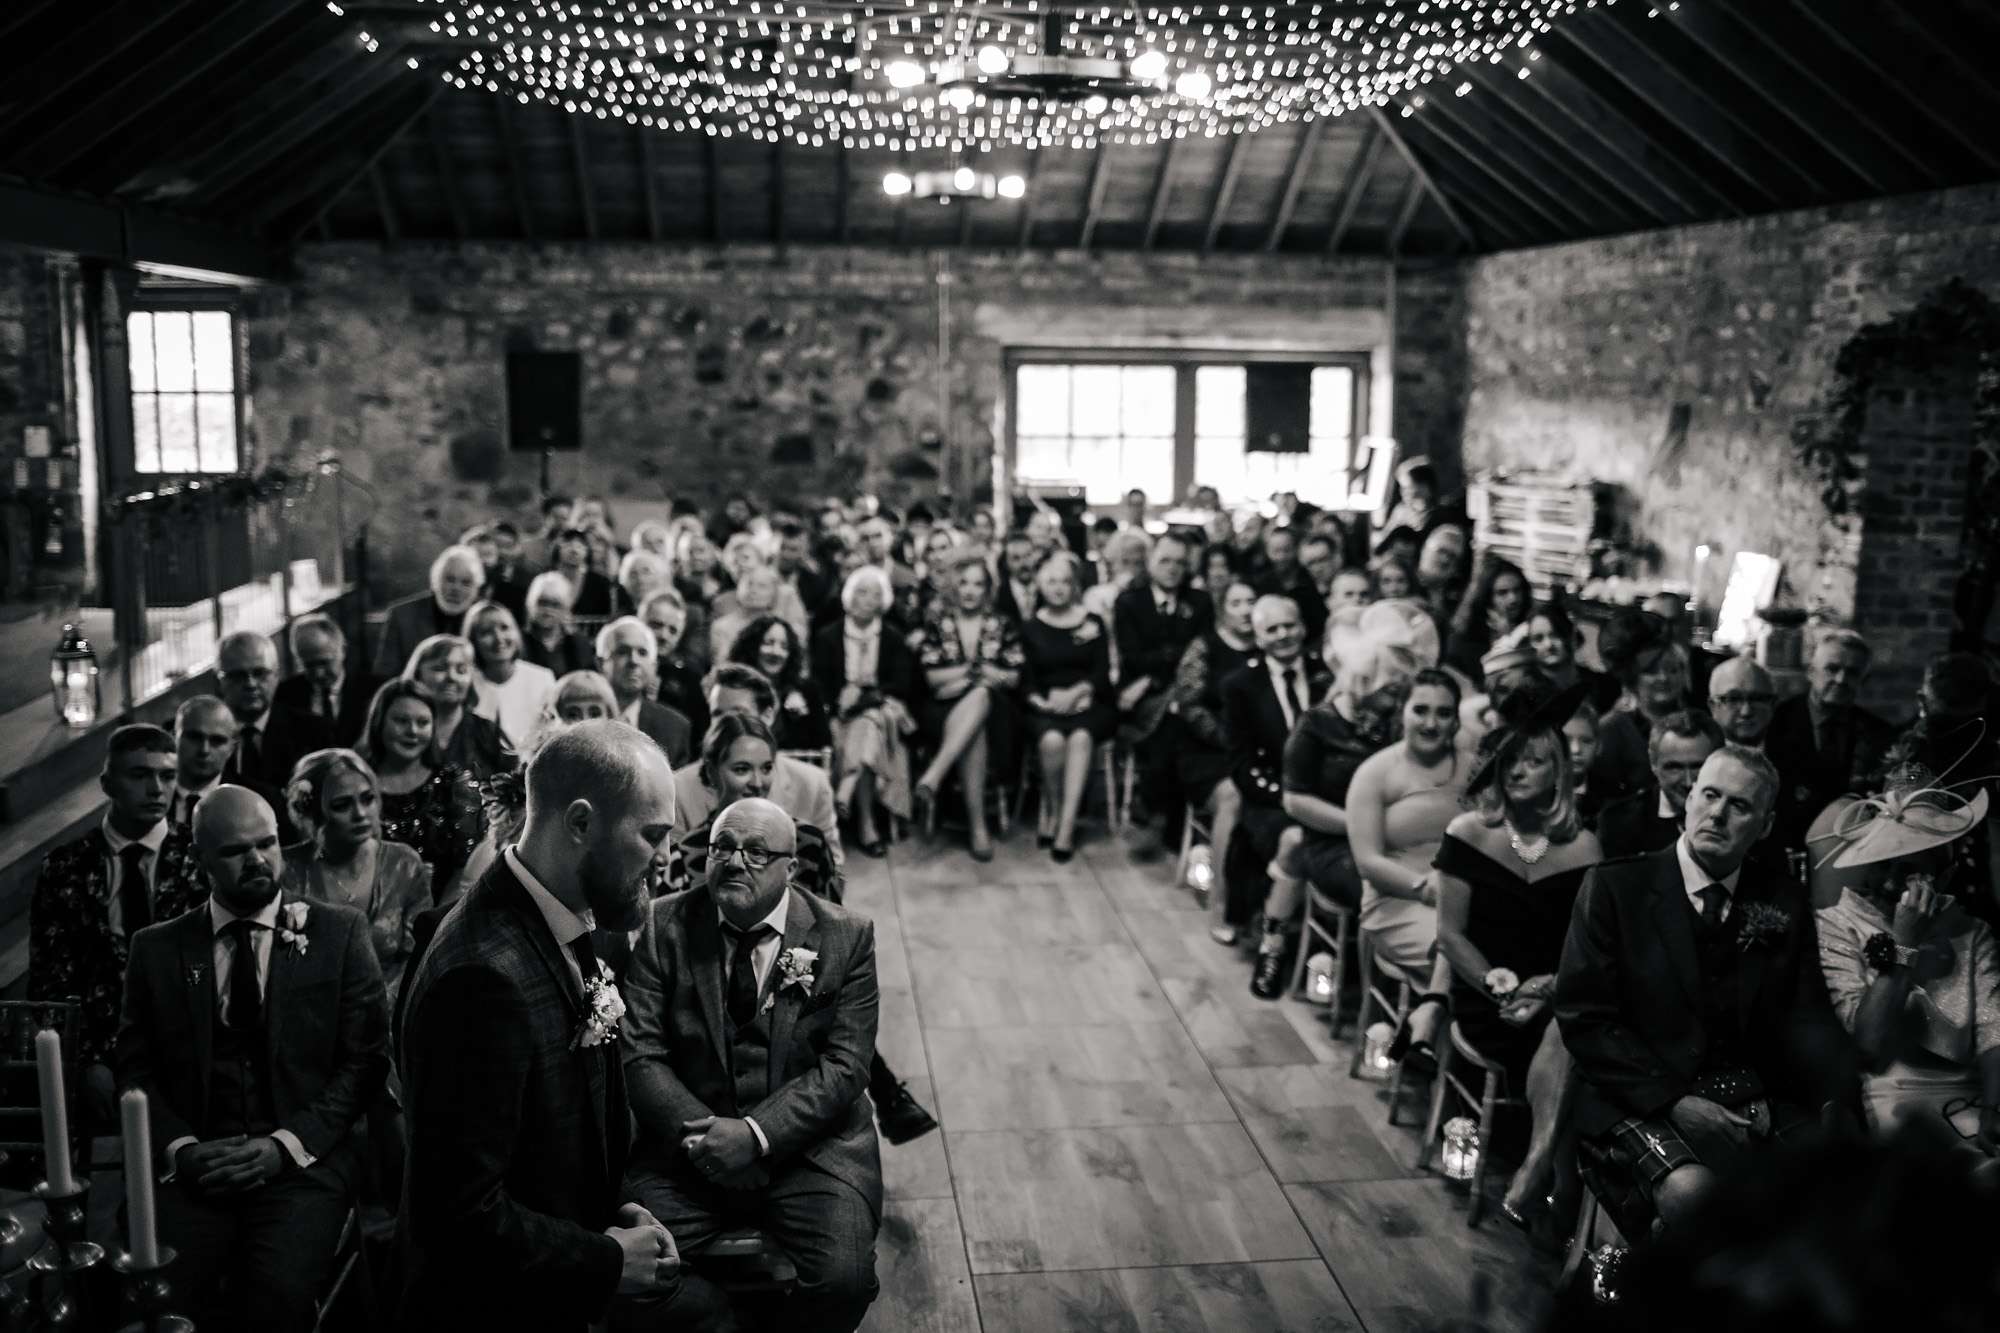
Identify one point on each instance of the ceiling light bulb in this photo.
(992, 60)
(1149, 66)
(905, 73)
(1096, 105)
(959, 97)
(1012, 187)
(895, 183)
(963, 179)
(1193, 85)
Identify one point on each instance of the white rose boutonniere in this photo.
(292, 927)
(794, 969)
(604, 1009)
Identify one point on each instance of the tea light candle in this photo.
(55, 1112)
(1461, 1148)
(1201, 869)
(143, 1237)
(1319, 978)
(1375, 1061)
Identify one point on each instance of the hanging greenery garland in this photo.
(197, 498)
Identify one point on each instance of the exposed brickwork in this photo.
(31, 394)
(698, 361)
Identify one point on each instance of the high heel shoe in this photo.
(1539, 1224)
(1405, 1046)
(1061, 855)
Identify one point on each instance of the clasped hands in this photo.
(230, 1166)
(1069, 701)
(651, 1260)
(1699, 1118)
(722, 1149)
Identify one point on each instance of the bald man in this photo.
(514, 1212)
(1742, 697)
(751, 1028)
(257, 1025)
(271, 737)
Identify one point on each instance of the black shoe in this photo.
(902, 1117)
(1061, 855)
(877, 849)
(1273, 971)
(1045, 840)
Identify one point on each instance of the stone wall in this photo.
(793, 371)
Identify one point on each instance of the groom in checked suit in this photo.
(752, 1026)
(257, 1025)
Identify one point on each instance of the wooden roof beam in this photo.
(454, 200)
(42, 219)
(1413, 199)
(385, 210)
(510, 157)
(1093, 205)
(1504, 220)
(1295, 180)
(579, 161)
(94, 41)
(1358, 175)
(1459, 224)
(1536, 123)
(1232, 171)
(324, 188)
(1943, 101)
(1436, 118)
(1028, 202)
(1163, 187)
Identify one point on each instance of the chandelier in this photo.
(907, 75)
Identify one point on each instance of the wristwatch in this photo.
(1881, 952)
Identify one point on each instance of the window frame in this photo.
(1185, 361)
(192, 300)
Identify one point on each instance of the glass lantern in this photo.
(1375, 1061)
(1201, 869)
(73, 680)
(1319, 978)
(1461, 1148)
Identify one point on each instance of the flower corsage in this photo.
(1501, 983)
(794, 969)
(292, 927)
(1762, 926)
(603, 1008)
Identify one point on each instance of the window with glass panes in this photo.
(184, 410)
(1168, 425)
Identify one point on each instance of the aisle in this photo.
(1130, 1140)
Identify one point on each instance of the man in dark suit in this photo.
(324, 685)
(796, 566)
(258, 1027)
(1653, 817)
(457, 575)
(752, 1026)
(1824, 743)
(515, 1093)
(1691, 999)
(205, 735)
(1284, 576)
(628, 656)
(1014, 583)
(1261, 706)
(271, 737)
(1153, 623)
(95, 893)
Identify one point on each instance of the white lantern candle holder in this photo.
(1375, 1061)
(1319, 978)
(1460, 1157)
(1201, 870)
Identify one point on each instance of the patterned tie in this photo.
(742, 994)
(1713, 899)
(135, 898)
(246, 997)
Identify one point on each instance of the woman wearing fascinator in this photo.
(1912, 974)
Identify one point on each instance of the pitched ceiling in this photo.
(268, 117)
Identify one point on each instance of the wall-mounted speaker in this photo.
(544, 401)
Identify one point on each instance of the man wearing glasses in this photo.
(749, 1028)
(1742, 697)
(271, 736)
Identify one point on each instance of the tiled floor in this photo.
(1130, 1140)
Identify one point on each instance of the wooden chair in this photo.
(1195, 826)
(20, 1094)
(821, 758)
(1320, 909)
(349, 1300)
(1375, 996)
(1493, 1094)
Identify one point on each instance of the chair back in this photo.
(20, 1092)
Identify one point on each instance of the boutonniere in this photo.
(603, 1009)
(1762, 926)
(292, 927)
(196, 975)
(794, 969)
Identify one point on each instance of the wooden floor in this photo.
(1131, 1141)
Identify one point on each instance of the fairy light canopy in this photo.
(959, 75)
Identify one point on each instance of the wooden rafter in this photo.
(100, 229)
(510, 157)
(649, 173)
(327, 185)
(1373, 141)
(1490, 124)
(1232, 171)
(1386, 124)
(242, 157)
(1028, 201)
(385, 210)
(1504, 219)
(454, 201)
(1295, 182)
(1100, 181)
(1413, 199)
(1936, 98)
(1563, 217)
(579, 161)
(92, 43)
(1512, 101)
(1163, 187)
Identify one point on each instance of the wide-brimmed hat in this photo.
(1509, 653)
(1398, 622)
(1912, 815)
(1533, 705)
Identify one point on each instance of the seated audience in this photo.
(508, 577)
(510, 692)
(428, 803)
(1319, 556)
(581, 696)
(1204, 760)
(205, 733)
(802, 790)
(1498, 603)
(628, 656)
(785, 1142)
(1066, 683)
(443, 664)
(324, 686)
(1691, 1001)
(666, 614)
(770, 644)
(336, 803)
(1284, 576)
(1554, 640)
(1125, 556)
(1580, 737)
(1394, 577)
(1507, 876)
(1654, 816)
(1444, 571)
(1152, 623)
(1653, 671)
(805, 576)
(1349, 589)
(1823, 743)
(640, 575)
(1742, 697)
(872, 676)
(1218, 570)
(1911, 973)
(256, 1088)
(1015, 575)
(1416, 495)
(1262, 706)
(970, 653)
(758, 593)
(93, 894)
(270, 737)
(1399, 804)
(551, 640)
(1952, 737)
(574, 557)
(457, 575)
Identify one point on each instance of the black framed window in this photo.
(186, 415)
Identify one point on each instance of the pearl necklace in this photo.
(1529, 851)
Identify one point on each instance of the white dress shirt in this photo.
(762, 955)
(1666, 806)
(1694, 879)
(1283, 676)
(181, 811)
(154, 836)
(566, 926)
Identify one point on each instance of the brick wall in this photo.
(698, 361)
(1579, 354)
(31, 395)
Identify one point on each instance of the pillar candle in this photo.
(143, 1238)
(55, 1111)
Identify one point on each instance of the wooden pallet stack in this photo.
(1541, 524)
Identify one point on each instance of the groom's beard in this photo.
(618, 902)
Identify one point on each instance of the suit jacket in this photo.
(1150, 644)
(72, 953)
(350, 710)
(1301, 589)
(326, 1028)
(407, 624)
(1810, 778)
(801, 790)
(289, 735)
(517, 1136)
(1255, 723)
(669, 728)
(1627, 995)
(677, 1059)
(1631, 825)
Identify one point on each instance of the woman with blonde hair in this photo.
(335, 800)
(444, 664)
(640, 575)
(971, 657)
(871, 676)
(510, 692)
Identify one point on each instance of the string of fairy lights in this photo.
(955, 76)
